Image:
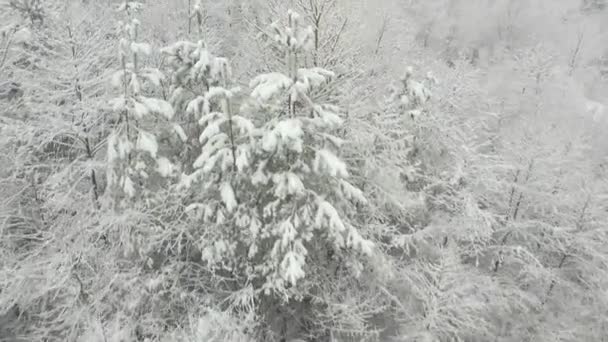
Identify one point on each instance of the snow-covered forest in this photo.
(304, 170)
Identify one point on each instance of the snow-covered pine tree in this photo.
(194, 70)
(276, 198)
(133, 150)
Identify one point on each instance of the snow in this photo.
(254, 226)
(291, 133)
(409, 71)
(180, 132)
(112, 142)
(154, 283)
(242, 219)
(179, 52)
(596, 109)
(335, 141)
(245, 126)
(211, 117)
(220, 69)
(287, 183)
(23, 35)
(147, 142)
(195, 209)
(294, 183)
(259, 177)
(206, 162)
(270, 141)
(226, 160)
(328, 163)
(287, 233)
(327, 216)
(187, 180)
(418, 91)
(351, 192)
(329, 116)
(123, 146)
(194, 105)
(153, 75)
(306, 39)
(217, 92)
(211, 148)
(228, 197)
(135, 23)
(216, 252)
(130, 5)
(271, 208)
(164, 167)
(313, 77)
(266, 86)
(292, 267)
(128, 187)
(414, 113)
(286, 133)
(135, 85)
(158, 106)
(242, 157)
(140, 109)
(118, 104)
(211, 130)
(124, 46)
(294, 17)
(117, 79)
(294, 37)
(204, 63)
(356, 241)
(141, 48)
(431, 77)
(220, 218)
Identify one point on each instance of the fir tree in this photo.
(134, 154)
(271, 189)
